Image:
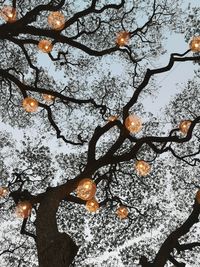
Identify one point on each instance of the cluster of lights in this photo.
(195, 44)
(184, 126)
(122, 38)
(86, 190)
(133, 124)
(31, 105)
(23, 209)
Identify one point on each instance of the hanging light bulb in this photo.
(30, 104)
(48, 98)
(86, 189)
(56, 20)
(133, 124)
(92, 205)
(195, 44)
(4, 191)
(198, 196)
(122, 38)
(23, 209)
(122, 212)
(45, 46)
(142, 168)
(184, 126)
(9, 14)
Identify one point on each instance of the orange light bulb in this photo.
(133, 124)
(122, 38)
(56, 20)
(142, 168)
(86, 189)
(23, 209)
(195, 44)
(122, 212)
(30, 104)
(92, 205)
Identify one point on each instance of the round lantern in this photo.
(92, 205)
(122, 212)
(86, 189)
(45, 46)
(30, 104)
(23, 209)
(48, 98)
(4, 191)
(113, 118)
(56, 20)
(195, 44)
(9, 14)
(198, 196)
(133, 124)
(142, 168)
(184, 126)
(122, 38)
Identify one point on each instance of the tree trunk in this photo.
(54, 249)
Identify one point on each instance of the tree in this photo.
(92, 110)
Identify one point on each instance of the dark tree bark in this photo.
(55, 249)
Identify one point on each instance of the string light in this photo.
(122, 38)
(142, 168)
(56, 20)
(133, 124)
(30, 104)
(195, 44)
(92, 205)
(184, 126)
(86, 189)
(122, 212)
(9, 14)
(4, 191)
(45, 46)
(23, 209)
(48, 98)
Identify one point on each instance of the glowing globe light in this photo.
(48, 98)
(198, 196)
(56, 20)
(133, 124)
(30, 104)
(4, 191)
(122, 38)
(86, 189)
(195, 44)
(122, 212)
(45, 46)
(184, 126)
(142, 168)
(92, 205)
(9, 14)
(112, 118)
(23, 209)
